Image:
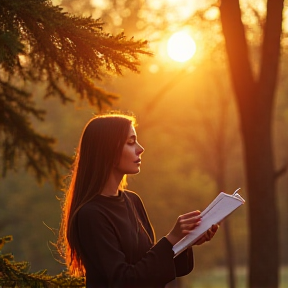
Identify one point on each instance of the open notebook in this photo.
(222, 206)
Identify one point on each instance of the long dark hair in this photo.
(100, 148)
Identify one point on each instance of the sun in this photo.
(181, 47)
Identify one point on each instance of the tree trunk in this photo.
(255, 101)
(221, 157)
(230, 259)
(228, 245)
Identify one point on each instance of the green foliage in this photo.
(39, 43)
(16, 274)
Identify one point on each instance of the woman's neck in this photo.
(112, 185)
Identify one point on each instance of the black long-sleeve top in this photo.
(118, 246)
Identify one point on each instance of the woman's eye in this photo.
(131, 142)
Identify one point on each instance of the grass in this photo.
(217, 278)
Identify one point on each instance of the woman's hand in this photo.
(209, 234)
(185, 223)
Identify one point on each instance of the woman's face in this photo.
(130, 159)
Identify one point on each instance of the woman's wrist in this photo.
(172, 239)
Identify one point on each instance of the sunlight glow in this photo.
(181, 47)
(154, 68)
(100, 4)
(181, 9)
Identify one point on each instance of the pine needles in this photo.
(39, 43)
(16, 274)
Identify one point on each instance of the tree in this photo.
(218, 143)
(255, 97)
(39, 43)
(16, 274)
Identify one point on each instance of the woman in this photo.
(105, 229)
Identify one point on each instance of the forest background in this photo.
(188, 124)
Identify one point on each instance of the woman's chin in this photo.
(134, 172)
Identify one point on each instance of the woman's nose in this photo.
(140, 149)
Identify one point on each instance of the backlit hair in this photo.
(100, 148)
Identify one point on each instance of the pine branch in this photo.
(75, 49)
(39, 43)
(19, 138)
(16, 274)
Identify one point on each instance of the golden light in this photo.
(181, 47)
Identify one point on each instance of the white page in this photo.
(223, 205)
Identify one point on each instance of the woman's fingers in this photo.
(189, 221)
(212, 231)
(190, 215)
(209, 234)
(184, 224)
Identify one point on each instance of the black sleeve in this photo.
(105, 258)
(184, 262)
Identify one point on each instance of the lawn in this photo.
(217, 278)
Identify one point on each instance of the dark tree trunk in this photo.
(221, 160)
(228, 245)
(230, 259)
(255, 100)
